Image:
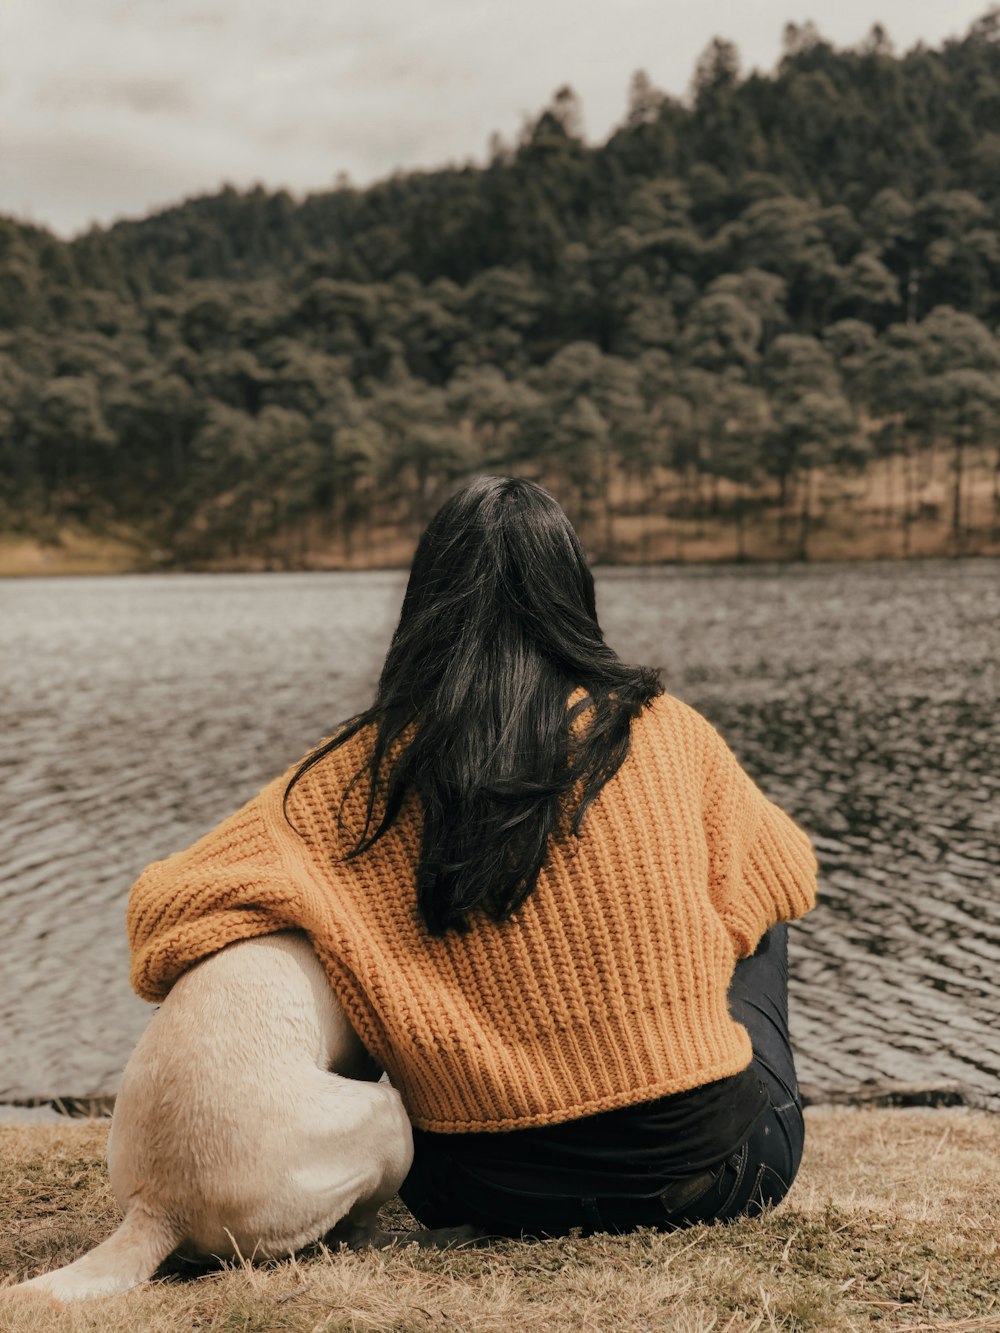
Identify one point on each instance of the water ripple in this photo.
(139, 711)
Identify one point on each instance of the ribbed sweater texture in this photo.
(608, 985)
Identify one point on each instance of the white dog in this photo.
(248, 1125)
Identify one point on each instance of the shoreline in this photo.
(69, 566)
(854, 524)
(872, 1094)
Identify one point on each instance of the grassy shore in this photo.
(857, 518)
(71, 551)
(892, 1224)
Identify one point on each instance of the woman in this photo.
(529, 874)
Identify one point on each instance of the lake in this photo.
(140, 710)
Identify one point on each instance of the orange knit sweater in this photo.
(607, 986)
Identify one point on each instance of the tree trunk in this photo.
(805, 515)
(177, 455)
(701, 484)
(926, 460)
(272, 530)
(332, 517)
(348, 511)
(958, 464)
(741, 501)
(609, 534)
(909, 499)
(640, 507)
(348, 516)
(783, 489)
(889, 500)
(970, 503)
(678, 517)
(371, 518)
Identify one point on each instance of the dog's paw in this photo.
(440, 1238)
(33, 1294)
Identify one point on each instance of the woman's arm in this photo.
(228, 886)
(762, 868)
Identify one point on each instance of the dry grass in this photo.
(75, 552)
(892, 1224)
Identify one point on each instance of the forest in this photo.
(759, 321)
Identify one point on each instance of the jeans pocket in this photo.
(737, 1163)
(714, 1202)
(688, 1191)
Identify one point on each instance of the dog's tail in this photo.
(130, 1255)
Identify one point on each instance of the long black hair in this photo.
(498, 628)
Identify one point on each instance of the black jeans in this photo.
(441, 1191)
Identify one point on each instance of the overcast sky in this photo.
(112, 108)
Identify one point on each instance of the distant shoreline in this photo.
(33, 560)
(860, 519)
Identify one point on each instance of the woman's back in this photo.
(606, 987)
(528, 874)
(498, 626)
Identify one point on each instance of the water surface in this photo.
(138, 711)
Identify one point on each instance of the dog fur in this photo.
(250, 1123)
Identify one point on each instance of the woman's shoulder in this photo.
(670, 731)
(669, 713)
(665, 720)
(331, 765)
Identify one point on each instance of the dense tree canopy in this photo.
(781, 276)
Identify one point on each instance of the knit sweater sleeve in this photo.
(762, 868)
(229, 885)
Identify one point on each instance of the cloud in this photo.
(116, 106)
(145, 96)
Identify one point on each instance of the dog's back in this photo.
(232, 1135)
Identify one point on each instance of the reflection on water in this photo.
(138, 711)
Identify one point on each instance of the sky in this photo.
(115, 108)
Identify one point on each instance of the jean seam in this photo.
(743, 1158)
(792, 1093)
(794, 1143)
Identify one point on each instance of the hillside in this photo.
(735, 312)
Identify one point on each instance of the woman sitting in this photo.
(546, 894)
